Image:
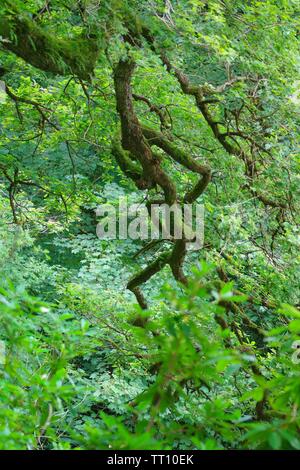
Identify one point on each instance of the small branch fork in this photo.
(38, 106)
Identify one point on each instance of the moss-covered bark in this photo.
(133, 139)
(138, 141)
(44, 50)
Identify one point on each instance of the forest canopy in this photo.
(146, 343)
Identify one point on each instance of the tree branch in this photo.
(43, 49)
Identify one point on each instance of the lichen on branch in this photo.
(44, 50)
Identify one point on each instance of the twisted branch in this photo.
(138, 160)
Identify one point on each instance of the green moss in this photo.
(129, 168)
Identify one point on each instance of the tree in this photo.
(243, 78)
